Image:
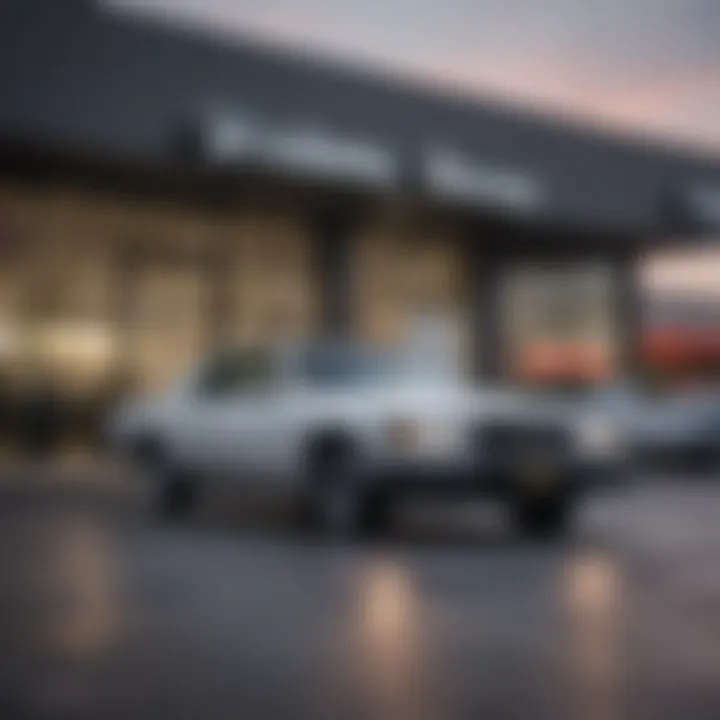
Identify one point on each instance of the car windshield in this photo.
(346, 364)
(353, 364)
(234, 370)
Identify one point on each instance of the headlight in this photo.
(403, 434)
(407, 434)
(598, 436)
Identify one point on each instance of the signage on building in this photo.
(317, 151)
(303, 149)
(454, 176)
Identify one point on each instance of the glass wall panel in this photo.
(559, 322)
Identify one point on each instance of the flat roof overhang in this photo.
(140, 95)
(500, 230)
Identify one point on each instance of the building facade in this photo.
(162, 192)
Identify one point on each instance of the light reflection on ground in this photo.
(390, 638)
(593, 596)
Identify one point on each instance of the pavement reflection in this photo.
(391, 641)
(63, 607)
(106, 616)
(83, 569)
(593, 594)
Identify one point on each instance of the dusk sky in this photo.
(652, 65)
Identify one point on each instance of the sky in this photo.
(651, 67)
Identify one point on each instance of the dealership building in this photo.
(164, 191)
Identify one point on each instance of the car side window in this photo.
(234, 372)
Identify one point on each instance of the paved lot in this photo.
(105, 615)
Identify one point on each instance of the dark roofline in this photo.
(119, 83)
(412, 85)
(498, 234)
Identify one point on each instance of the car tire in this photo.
(175, 497)
(173, 494)
(548, 518)
(377, 510)
(336, 502)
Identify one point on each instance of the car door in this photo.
(233, 414)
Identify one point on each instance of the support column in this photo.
(486, 271)
(628, 315)
(334, 250)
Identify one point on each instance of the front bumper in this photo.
(606, 471)
(460, 476)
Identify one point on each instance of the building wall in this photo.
(94, 284)
(96, 287)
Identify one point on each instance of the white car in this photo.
(681, 432)
(350, 431)
(674, 429)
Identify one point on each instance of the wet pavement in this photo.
(104, 614)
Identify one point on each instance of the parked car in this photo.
(681, 433)
(626, 408)
(673, 429)
(608, 413)
(351, 431)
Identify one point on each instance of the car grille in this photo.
(511, 441)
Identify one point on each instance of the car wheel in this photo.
(339, 512)
(175, 496)
(337, 502)
(377, 511)
(543, 519)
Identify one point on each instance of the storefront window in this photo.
(559, 323)
(410, 294)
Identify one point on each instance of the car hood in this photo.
(441, 400)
